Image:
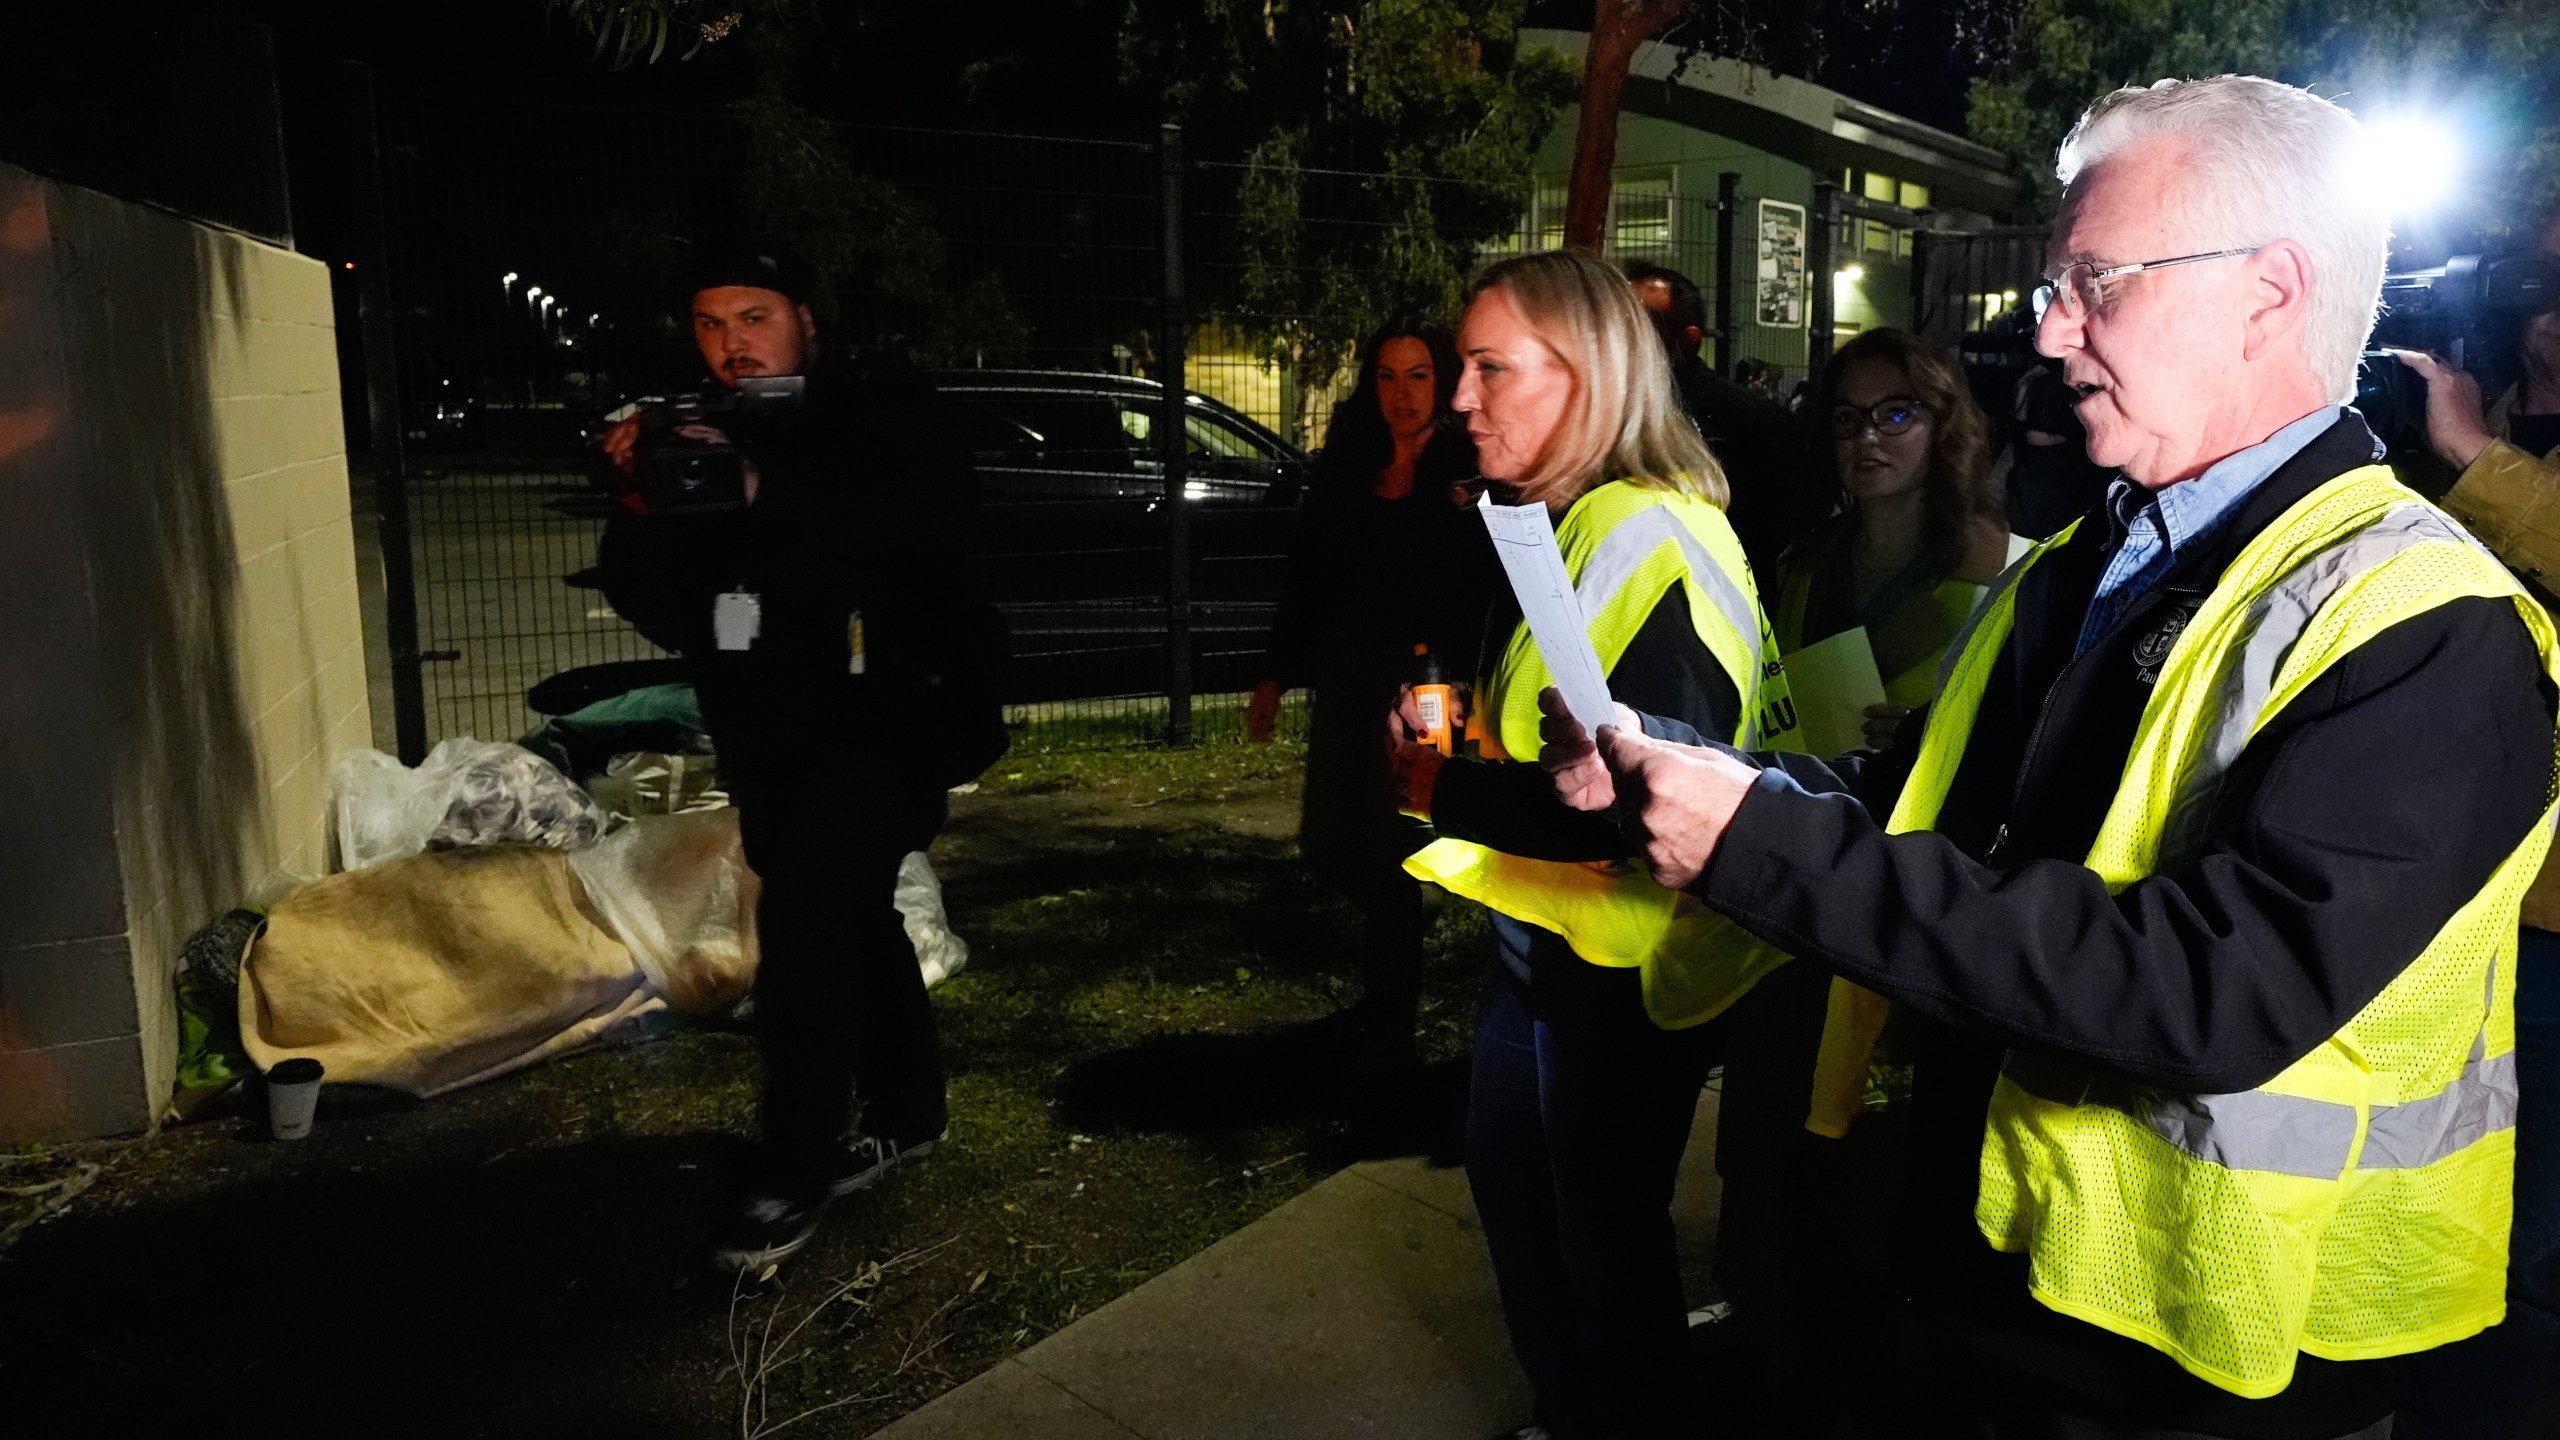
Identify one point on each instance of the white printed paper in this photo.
(1526, 540)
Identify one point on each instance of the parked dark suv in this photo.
(1072, 513)
(1041, 434)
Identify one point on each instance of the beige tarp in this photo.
(454, 966)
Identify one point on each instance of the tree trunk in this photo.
(1617, 28)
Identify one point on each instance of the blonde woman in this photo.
(1593, 1041)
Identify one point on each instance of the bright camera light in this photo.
(2412, 162)
(1852, 274)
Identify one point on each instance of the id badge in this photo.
(737, 618)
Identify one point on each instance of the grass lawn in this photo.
(1133, 1077)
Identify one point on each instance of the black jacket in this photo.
(2351, 829)
(1371, 578)
(865, 503)
(1761, 446)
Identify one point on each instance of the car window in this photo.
(1209, 435)
(1055, 432)
(1202, 434)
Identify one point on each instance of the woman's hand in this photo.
(1570, 755)
(1883, 722)
(1405, 722)
(1414, 766)
(1262, 712)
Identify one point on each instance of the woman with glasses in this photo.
(1915, 529)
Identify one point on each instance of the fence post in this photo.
(382, 393)
(1173, 326)
(1728, 201)
(1821, 249)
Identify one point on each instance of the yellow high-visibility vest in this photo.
(1625, 545)
(2357, 1205)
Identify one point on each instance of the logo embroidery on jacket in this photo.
(2153, 649)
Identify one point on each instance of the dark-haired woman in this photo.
(1387, 557)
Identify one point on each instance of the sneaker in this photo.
(768, 1229)
(867, 1158)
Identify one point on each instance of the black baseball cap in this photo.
(755, 264)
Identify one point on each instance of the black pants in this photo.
(826, 816)
(1576, 1119)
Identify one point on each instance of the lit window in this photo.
(1640, 214)
(1879, 188)
(1914, 197)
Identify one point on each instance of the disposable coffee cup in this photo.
(293, 1093)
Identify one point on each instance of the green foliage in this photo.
(642, 30)
(2488, 60)
(1384, 142)
(876, 250)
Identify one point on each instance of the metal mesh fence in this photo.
(538, 251)
(1026, 269)
(1965, 282)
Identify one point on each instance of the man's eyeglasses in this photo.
(2082, 286)
(1893, 415)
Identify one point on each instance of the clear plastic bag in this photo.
(648, 782)
(939, 952)
(465, 793)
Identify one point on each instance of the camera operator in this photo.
(2509, 464)
(845, 672)
(2507, 455)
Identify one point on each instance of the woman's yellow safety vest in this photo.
(2357, 1205)
(1625, 545)
(1854, 1018)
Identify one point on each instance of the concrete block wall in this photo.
(180, 654)
(299, 641)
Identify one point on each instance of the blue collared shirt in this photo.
(2151, 528)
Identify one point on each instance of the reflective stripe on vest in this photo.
(2276, 620)
(2356, 1205)
(1615, 540)
(1632, 542)
(2292, 1134)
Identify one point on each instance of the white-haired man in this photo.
(2200, 875)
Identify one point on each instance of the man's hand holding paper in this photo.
(1674, 801)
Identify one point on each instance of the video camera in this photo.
(682, 474)
(2469, 310)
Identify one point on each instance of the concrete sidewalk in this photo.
(1363, 1307)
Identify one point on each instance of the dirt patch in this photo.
(523, 1258)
